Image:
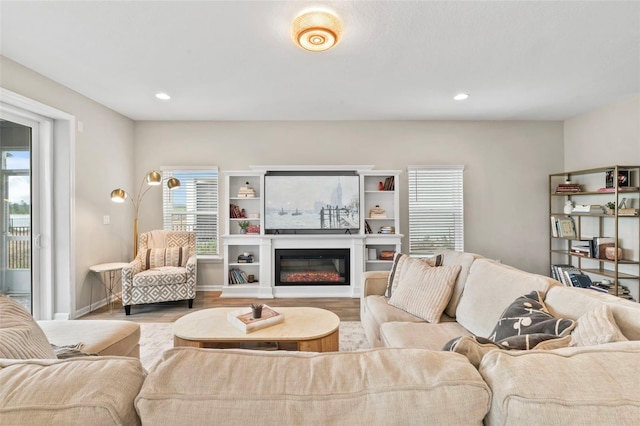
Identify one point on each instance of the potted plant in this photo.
(243, 224)
(611, 207)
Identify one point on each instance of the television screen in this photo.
(320, 201)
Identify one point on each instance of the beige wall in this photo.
(103, 160)
(505, 178)
(605, 137)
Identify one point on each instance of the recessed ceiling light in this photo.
(163, 96)
(461, 96)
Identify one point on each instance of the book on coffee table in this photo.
(243, 319)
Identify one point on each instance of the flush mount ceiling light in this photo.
(461, 96)
(316, 30)
(163, 96)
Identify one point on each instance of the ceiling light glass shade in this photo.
(316, 30)
(154, 178)
(461, 96)
(118, 195)
(173, 183)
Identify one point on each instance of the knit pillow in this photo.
(20, 336)
(169, 256)
(425, 291)
(596, 327)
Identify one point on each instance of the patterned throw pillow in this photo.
(398, 268)
(424, 291)
(169, 256)
(528, 315)
(597, 327)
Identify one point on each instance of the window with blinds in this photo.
(436, 214)
(193, 206)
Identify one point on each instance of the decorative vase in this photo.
(568, 207)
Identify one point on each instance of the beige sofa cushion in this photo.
(80, 391)
(489, 289)
(572, 302)
(377, 386)
(420, 335)
(424, 290)
(20, 335)
(465, 260)
(100, 337)
(594, 385)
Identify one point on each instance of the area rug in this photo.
(157, 337)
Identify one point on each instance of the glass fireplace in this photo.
(312, 267)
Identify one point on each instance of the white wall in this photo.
(609, 136)
(103, 161)
(505, 178)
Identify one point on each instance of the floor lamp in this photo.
(152, 178)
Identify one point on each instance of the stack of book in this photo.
(243, 319)
(253, 229)
(607, 287)
(245, 258)
(620, 189)
(563, 273)
(246, 192)
(568, 187)
(387, 230)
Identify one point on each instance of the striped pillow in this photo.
(398, 267)
(169, 256)
(424, 291)
(20, 335)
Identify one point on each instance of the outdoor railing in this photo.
(19, 250)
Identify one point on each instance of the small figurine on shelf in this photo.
(568, 207)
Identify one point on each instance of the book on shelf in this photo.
(235, 212)
(568, 187)
(243, 318)
(587, 209)
(554, 226)
(238, 276)
(566, 227)
(563, 273)
(389, 184)
(620, 189)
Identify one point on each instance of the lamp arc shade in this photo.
(154, 178)
(118, 195)
(173, 183)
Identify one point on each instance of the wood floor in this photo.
(347, 309)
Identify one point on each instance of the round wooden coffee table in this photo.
(303, 329)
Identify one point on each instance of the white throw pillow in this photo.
(596, 327)
(423, 290)
(398, 268)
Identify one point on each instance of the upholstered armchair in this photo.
(164, 269)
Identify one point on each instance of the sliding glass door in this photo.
(19, 260)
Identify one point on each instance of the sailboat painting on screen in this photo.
(317, 202)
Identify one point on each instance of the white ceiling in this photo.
(398, 60)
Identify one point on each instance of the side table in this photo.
(109, 277)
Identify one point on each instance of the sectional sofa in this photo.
(405, 379)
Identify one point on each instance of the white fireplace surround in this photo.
(269, 243)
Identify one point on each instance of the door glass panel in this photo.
(16, 214)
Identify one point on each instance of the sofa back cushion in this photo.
(78, 391)
(449, 258)
(20, 335)
(572, 302)
(377, 386)
(489, 289)
(594, 385)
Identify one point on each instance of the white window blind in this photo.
(193, 206)
(436, 214)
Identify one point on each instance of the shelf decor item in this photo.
(566, 228)
(245, 321)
